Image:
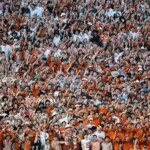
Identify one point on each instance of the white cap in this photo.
(142, 47)
(114, 73)
(70, 109)
(137, 81)
(140, 69)
(54, 113)
(3, 114)
(63, 14)
(56, 93)
(68, 126)
(77, 105)
(89, 23)
(90, 118)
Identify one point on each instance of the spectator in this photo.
(74, 75)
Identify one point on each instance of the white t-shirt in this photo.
(97, 102)
(47, 52)
(32, 12)
(110, 12)
(7, 49)
(39, 11)
(43, 136)
(64, 119)
(76, 36)
(47, 147)
(85, 144)
(56, 40)
(133, 34)
(85, 36)
(100, 135)
(117, 56)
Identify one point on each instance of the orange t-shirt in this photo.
(128, 146)
(16, 144)
(116, 145)
(27, 145)
(1, 135)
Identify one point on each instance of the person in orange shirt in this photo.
(96, 119)
(102, 109)
(117, 143)
(35, 89)
(120, 133)
(2, 132)
(129, 130)
(139, 132)
(85, 119)
(17, 143)
(127, 143)
(141, 143)
(148, 142)
(109, 130)
(27, 143)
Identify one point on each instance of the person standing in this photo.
(107, 145)
(95, 144)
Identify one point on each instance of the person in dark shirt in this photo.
(95, 38)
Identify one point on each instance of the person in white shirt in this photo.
(90, 135)
(43, 136)
(33, 10)
(86, 35)
(39, 10)
(56, 39)
(77, 35)
(90, 124)
(64, 118)
(117, 55)
(6, 48)
(63, 18)
(107, 145)
(47, 145)
(85, 143)
(47, 52)
(99, 133)
(133, 34)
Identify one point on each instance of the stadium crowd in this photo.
(74, 75)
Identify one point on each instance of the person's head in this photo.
(63, 114)
(89, 130)
(63, 123)
(8, 137)
(32, 6)
(119, 128)
(47, 102)
(26, 137)
(94, 137)
(85, 136)
(39, 4)
(80, 131)
(107, 139)
(75, 139)
(138, 126)
(19, 121)
(47, 142)
(91, 120)
(44, 130)
(55, 138)
(20, 131)
(117, 139)
(127, 138)
(99, 128)
(66, 138)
